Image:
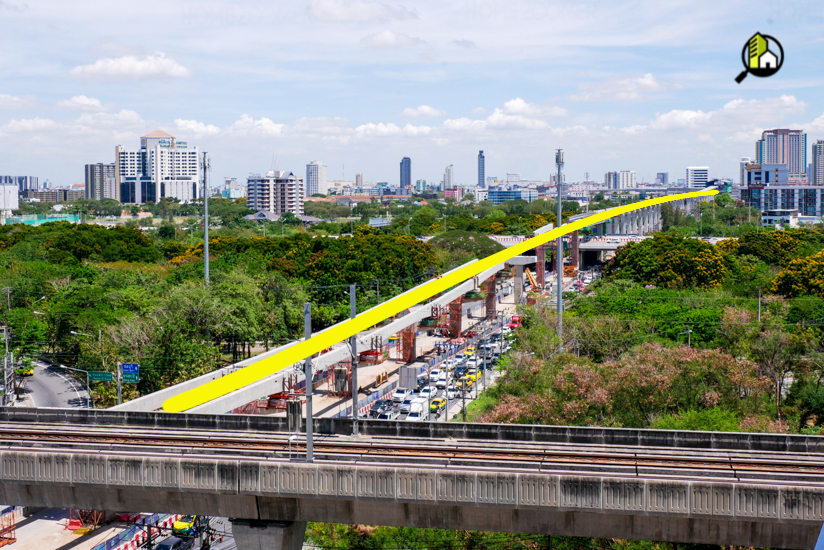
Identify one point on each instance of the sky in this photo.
(639, 85)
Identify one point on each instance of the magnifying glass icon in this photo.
(759, 59)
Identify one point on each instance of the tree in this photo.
(776, 353)
(723, 199)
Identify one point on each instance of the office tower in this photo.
(316, 182)
(406, 173)
(816, 175)
(481, 169)
(23, 183)
(9, 198)
(359, 179)
(513, 177)
(100, 181)
(697, 176)
(662, 178)
(162, 167)
(611, 180)
(783, 146)
(742, 169)
(447, 178)
(627, 179)
(420, 186)
(278, 192)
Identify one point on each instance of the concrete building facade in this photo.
(101, 182)
(406, 172)
(162, 167)
(783, 146)
(448, 181)
(277, 192)
(816, 174)
(697, 176)
(481, 169)
(316, 182)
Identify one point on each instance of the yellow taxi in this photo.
(473, 375)
(464, 383)
(185, 526)
(470, 350)
(437, 404)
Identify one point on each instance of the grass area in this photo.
(476, 408)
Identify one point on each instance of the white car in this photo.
(443, 380)
(426, 393)
(452, 392)
(434, 374)
(400, 395)
(471, 363)
(449, 364)
(407, 404)
(415, 417)
(506, 330)
(459, 359)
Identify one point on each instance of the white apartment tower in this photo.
(316, 182)
(742, 169)
(627, 179)
(448, 182)
(100, 181)
(697, 176)
(278, 192)
(163, 167)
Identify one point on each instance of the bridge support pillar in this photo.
(540, 266)
(519, 283)
(573, 249)
(491, 299)
(268, 535)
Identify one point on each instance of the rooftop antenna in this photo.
(275, 163)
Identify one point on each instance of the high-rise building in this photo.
(406, 172)
(783, 146)
(448, 182)
(697, 176)
(420, 186)
(611, 180)
(163, 167)
(627, 179)
(662, 178)
(481, 169)
(359, 179)
(100, 181)
(742, 169)
(316, 182)
(23, 183)
(9, 198)
(278, 192)
(816, 175)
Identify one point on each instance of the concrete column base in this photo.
(268, 535)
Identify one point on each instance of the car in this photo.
(452, 392)
(460, 359)
(394, 338)
(400, 395)
(437, 404)
(470, 350)
(426, 393)
(25, 371)
(434, 374)
(416, 416)
(505, 330)
(443, 380)
(390, 414)
(186, 526)
(472, 363)
(464, 384)
(473, 375)
(515, 322)
(407, 403)
(379, 408)
(448, 365)
(175, 543)
(459, 372)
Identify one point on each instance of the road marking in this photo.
(340, 332)
(73, 386)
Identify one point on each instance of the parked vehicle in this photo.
(515, 322)
(400, 394)
(391, 414)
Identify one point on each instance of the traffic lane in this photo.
(51, 386)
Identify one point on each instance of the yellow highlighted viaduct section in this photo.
(266, 367)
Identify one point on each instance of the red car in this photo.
(515, 322)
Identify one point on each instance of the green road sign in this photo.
(100, 376)
(131, 378)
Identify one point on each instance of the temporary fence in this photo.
(135, 536)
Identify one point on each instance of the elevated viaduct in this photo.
(719, 488)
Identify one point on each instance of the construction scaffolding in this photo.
(8, 529)
(455, 318)
(438, 317)
(338, 377)
(376, 354)
(82, 522)
(408, 344)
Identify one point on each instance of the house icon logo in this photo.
(762, 56)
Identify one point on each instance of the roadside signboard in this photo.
(131, 373)
(100, 376)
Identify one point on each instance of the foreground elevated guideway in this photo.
(716, 488)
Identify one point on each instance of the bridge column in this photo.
(540, 265)
(519, 283)
(268, 535)
(491, 301)
(573, 249)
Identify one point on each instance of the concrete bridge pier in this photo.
(519, 283)
(253, 534)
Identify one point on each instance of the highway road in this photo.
(52, 386)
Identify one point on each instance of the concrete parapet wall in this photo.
(429, 430)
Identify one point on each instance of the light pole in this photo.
(559, 161)
(206, 165)
(688, 332)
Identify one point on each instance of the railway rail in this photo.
(651, 462)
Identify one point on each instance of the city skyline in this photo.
(644, 101)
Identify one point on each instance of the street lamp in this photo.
(688, 332)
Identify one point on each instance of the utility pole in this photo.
(559, 161)
(463, 399)
(307, 333)
(353, 342)
(759, 307)
(119, 382)
(206, 165)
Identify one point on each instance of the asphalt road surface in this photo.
(52, 386)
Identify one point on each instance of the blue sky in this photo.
(637, 85)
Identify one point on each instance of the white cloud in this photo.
(736, 115)
(622, 88)
(196, 128)
(35, 124)
(130, 67)
(248, 126)
(391, 129)
(423, 111)
(390, 39)
(81, 103)
(468, 44)
(12, 102)
(357, 11)
(479, 111)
